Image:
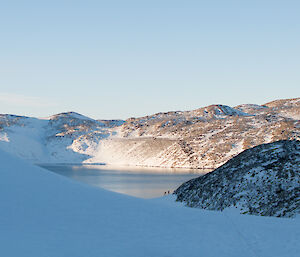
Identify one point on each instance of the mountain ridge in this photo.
(205, 137)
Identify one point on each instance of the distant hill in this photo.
(264, 180)
(203, 138)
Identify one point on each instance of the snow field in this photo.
(45, 215)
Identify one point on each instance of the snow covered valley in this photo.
(45, 215)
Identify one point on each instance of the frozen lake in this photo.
(139, 182)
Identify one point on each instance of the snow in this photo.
(268, 138)
(38, 140)
(4, 137)
(45, 215)
(68, 114)
(236, 149)
(227, 110)
(293, 116)
(25, 139)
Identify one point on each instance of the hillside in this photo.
(45, 215)
(62, 138)
(203, 138)
(264, 180)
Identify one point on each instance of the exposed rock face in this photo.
(264, 180)
(201, 138)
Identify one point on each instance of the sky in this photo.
(120, 59)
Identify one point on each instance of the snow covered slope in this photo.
(62, 138)
(264, 180)
(206, 137)
(45, 215)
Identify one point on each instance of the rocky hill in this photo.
(203, 138)
(264, 180)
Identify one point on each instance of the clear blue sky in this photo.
(117, 59)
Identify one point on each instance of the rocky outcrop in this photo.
(264, 180)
